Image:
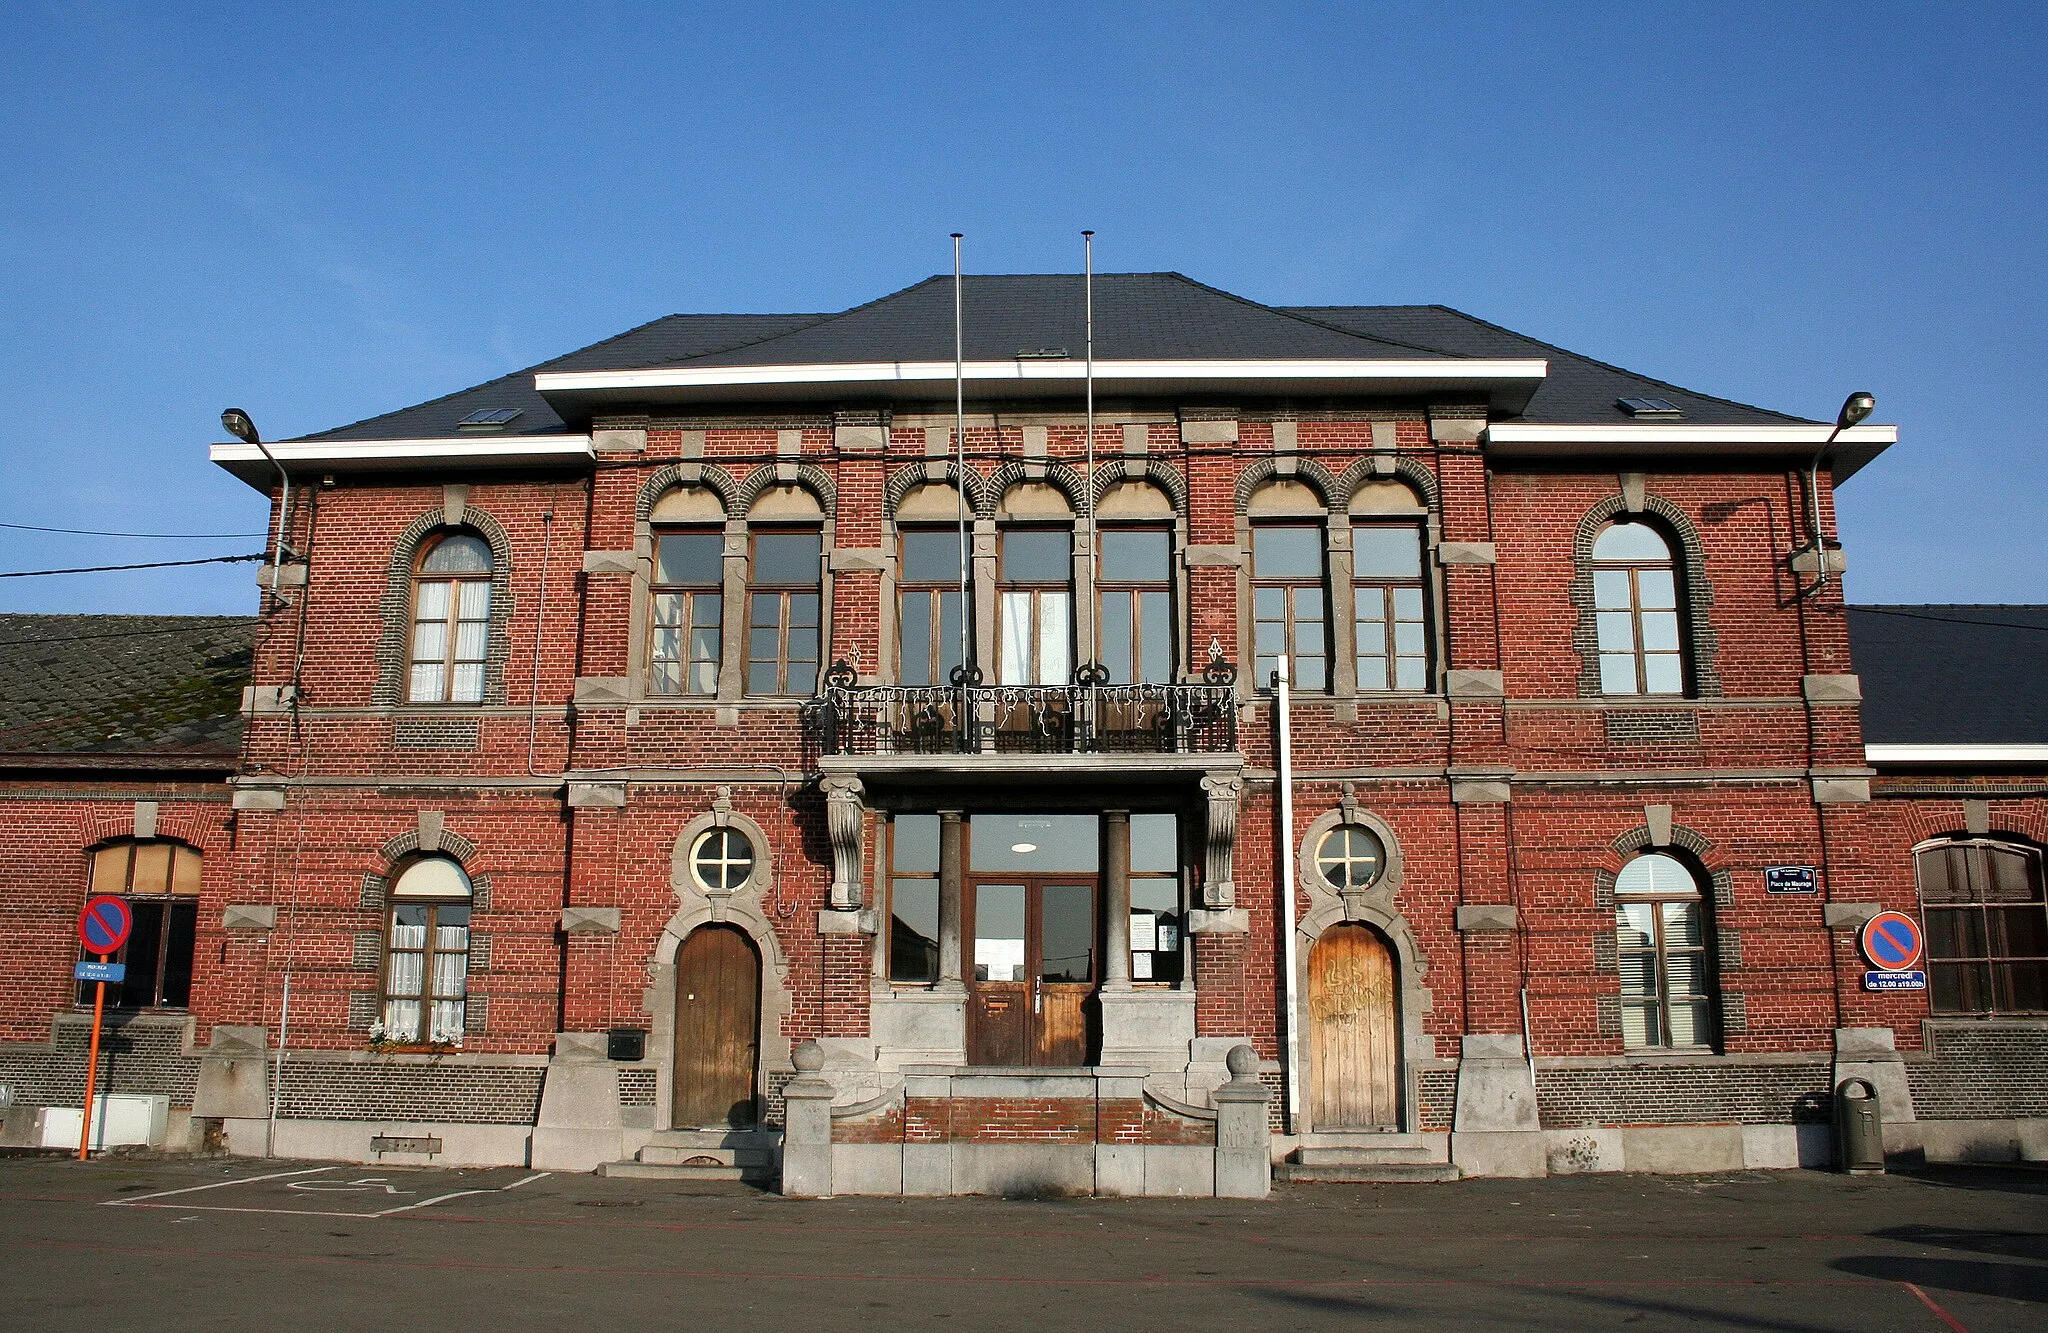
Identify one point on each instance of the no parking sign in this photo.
(1893, 944)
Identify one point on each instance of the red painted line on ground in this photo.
(1939, 1313)
(950, 1279)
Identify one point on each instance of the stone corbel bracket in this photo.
(1219, 890)
(845, 820)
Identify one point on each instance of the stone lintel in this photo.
(1841, 791)
(1481, 791)
(1208, 432)
(590, 920)
(1849, 916)
(847, 921)
(619, 441)
(1201, 557)
(597, 795)
(1219, 921)
(1834, 559)
(602, 691)
(1456, 430)
(1465, 553)
(1477, 917)
(259, 798)
(1832, 689)
(844, 558)
(859, 439)
(249, 916)
(1466, 683)
(608, 562)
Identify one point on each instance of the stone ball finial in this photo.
(1242, 1062)
(808, 1057)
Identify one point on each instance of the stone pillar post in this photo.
(1116, 886)
(952, 895)
(1244, 1139)
(732, 664)
(807, 1127)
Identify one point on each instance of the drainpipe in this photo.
(1284, 855)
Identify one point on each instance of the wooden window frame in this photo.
(784, 595)
(425, 998)
(169, 899)
(935, 654)
(892, 876)
(1132, 592)
(1005, 587)
(1290, 587)
(1387, 629)
(1639, 654)
(452, 622)
(1980, 907)
(689, 593)
(1659, 954)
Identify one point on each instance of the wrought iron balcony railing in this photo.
(850, 719)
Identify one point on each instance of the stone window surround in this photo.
(1695, 592)
(394, 644)
(984, 495)
(1373, 907)
(1336, 490)
(737, 496)
(1717, 893)
(1968, 836)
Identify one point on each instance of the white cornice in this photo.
(1955, 754)
(466, 451)
(1667, 432)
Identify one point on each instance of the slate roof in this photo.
(1952, 675)
(1138, 316)
(123, 690)
(1578, 390)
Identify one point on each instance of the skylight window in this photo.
(1650, 409)
(1041, 353)
(489, 418)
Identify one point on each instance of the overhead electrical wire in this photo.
(150, 564)
(159, 536)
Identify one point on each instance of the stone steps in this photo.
(1349, 1156)
(660, 1171)
(1367, 1173)
(704, 1154)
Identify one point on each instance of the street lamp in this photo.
(1856, 408)
(238, 424)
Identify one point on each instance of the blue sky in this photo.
(324, 215)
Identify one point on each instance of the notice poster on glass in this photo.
(1141, 967)
(1169, 937)
(1144, 932)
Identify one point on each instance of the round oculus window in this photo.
(1351, 856)
(722, 860)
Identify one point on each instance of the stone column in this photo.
(732, 648)
(1244, 1139)
(807, 1127)
(952, 895)
(1116, 886)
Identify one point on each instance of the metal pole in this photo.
(960, 467)
(1094, 542)
(1284, 853)
(92, 1064)
(284, 1024)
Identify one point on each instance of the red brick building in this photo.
(697, 737)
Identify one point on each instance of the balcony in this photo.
(965, 719)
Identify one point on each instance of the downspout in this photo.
(1284, 854)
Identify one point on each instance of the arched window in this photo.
(785, 593)
(1034, 586)
(1290, 611)
(451, 620)
(1987, 927)
(1134, 584)
(689, 590)
(160, 880)
(426, 959)
(1635, 598)
(1387, 590)
(1661, 930)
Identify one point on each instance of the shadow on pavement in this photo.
(2014, 1282)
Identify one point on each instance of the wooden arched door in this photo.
(718, 1024)
(1354, 1031)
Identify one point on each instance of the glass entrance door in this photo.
(1033, 972)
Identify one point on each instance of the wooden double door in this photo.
(1354, 1031)
(1031, 985)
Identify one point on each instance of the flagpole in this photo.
(960, 463)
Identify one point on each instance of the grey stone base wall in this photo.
(445, 1093)
(139, 1054)
(1683, 1095)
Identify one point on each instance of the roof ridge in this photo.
(1285, 313)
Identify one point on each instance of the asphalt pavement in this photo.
(220, 1243)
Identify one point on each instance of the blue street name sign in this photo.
(101, 971)
(1914, 980)
(1790, 879)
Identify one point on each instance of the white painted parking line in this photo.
(538, 1175)
(218, 1184)
(443, 1198)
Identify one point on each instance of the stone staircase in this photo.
(1369, 1158)
(751, 1155)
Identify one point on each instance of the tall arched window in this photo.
(1635, 598)
(1034, 586)
(689, 590)
(1388, 593)
(785, 592)
(1134, 584)
(426, 959)
(451, 620)
(1290, 607)
(160, 880)
(1661, 930)
(1987, 927)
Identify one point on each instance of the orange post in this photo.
(92, 1063)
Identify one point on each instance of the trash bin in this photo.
(1859, 1128)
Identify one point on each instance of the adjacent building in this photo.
(722, 748)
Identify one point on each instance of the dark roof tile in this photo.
(1952, 675)
(122, 685)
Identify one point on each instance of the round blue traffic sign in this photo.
(1891, 940)
(104, 923)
